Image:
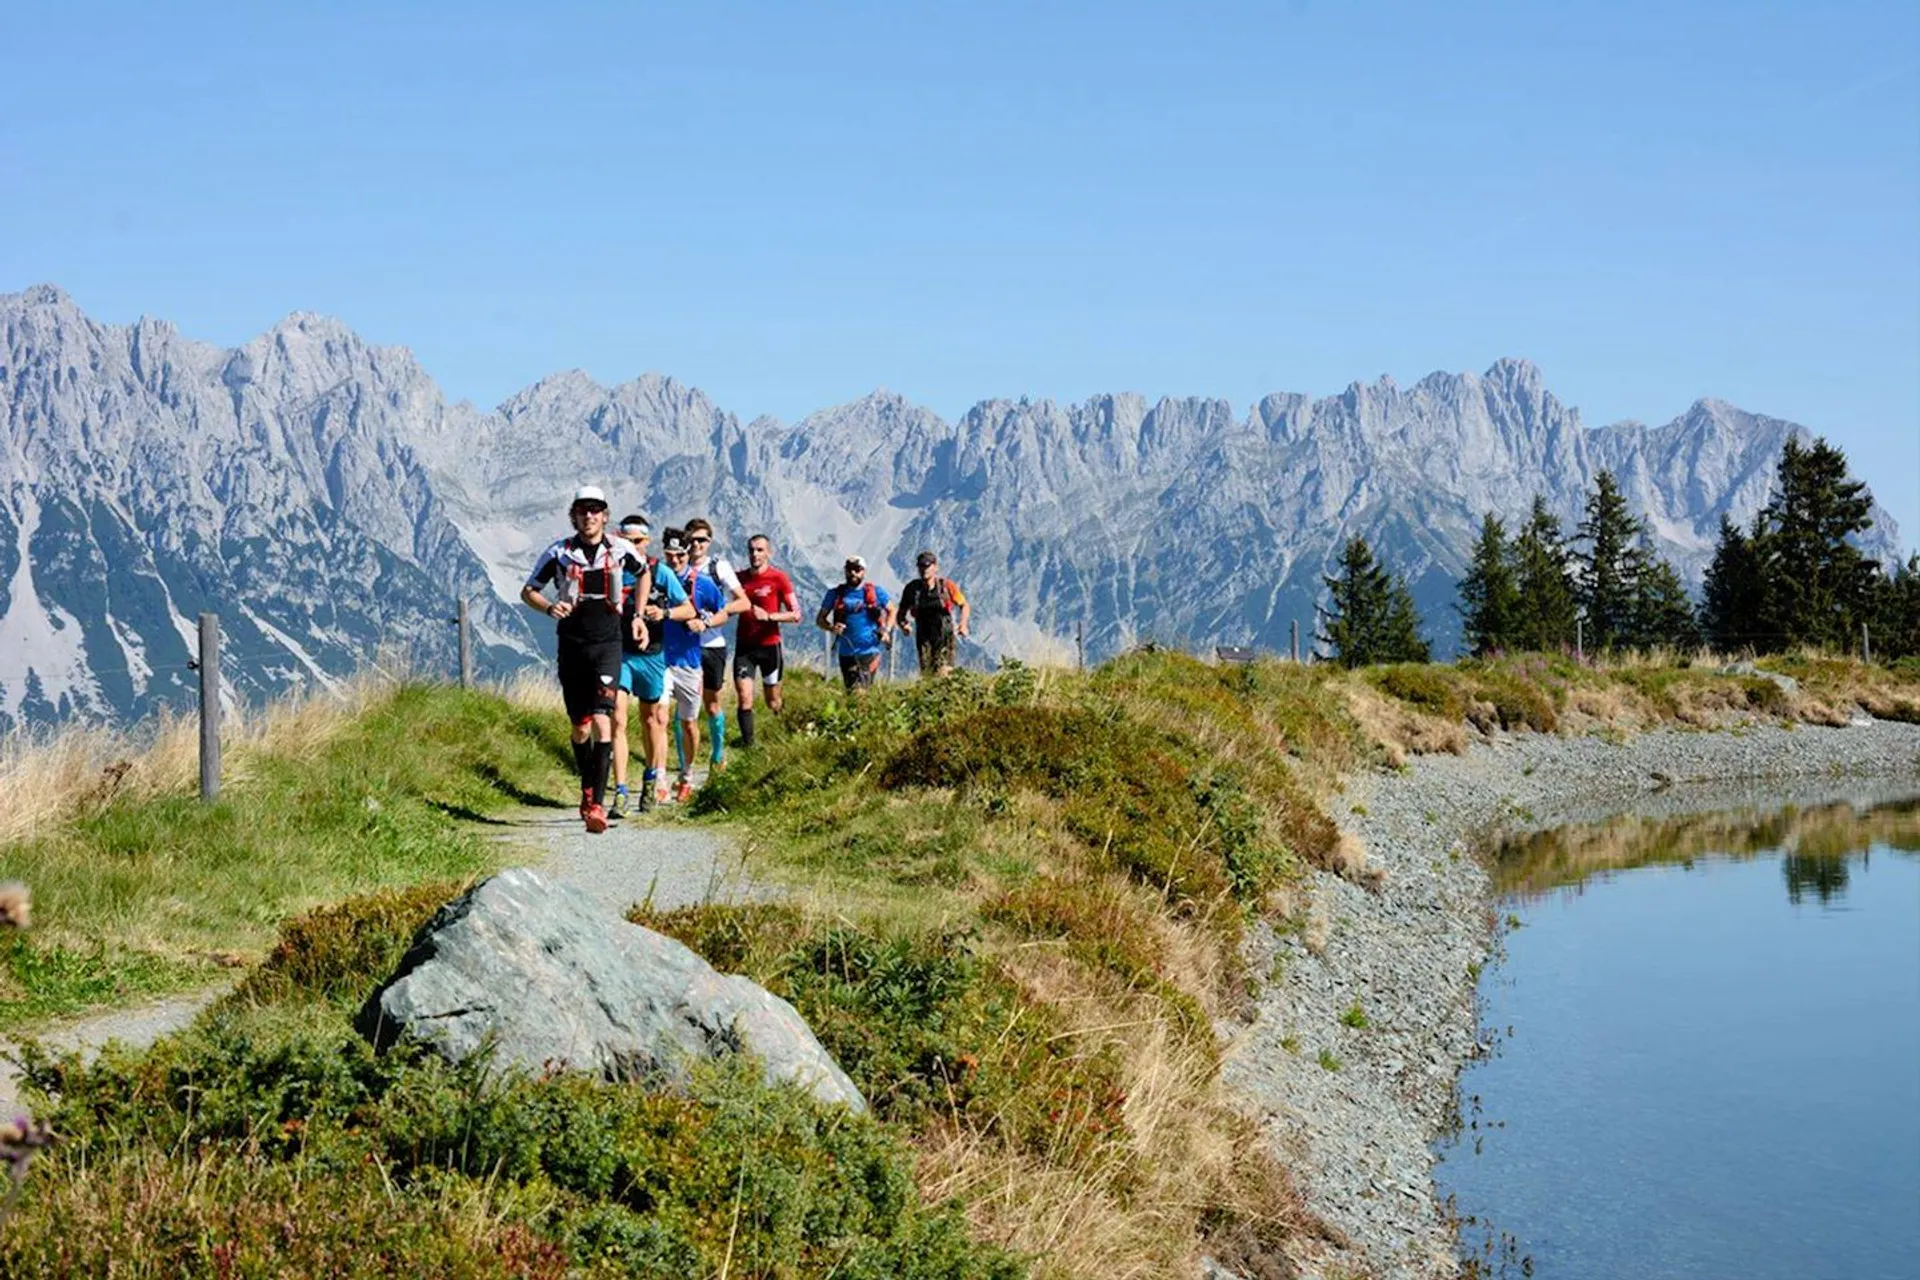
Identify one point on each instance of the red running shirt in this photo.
(770, 589)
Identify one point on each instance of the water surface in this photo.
(1708, 1059)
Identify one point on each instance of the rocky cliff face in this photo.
(322, 496)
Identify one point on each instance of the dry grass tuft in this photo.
(1350, 862)
(1399, 730)
(1316, 932)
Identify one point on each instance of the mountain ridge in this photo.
(328, 485)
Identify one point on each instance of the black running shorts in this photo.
(589, 678)
(858, 673)
(713, 668)
(764, 659)
(935, 644)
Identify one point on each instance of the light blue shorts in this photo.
(644, 675)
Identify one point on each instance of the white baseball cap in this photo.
(589, 493)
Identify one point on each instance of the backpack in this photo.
(872, 605)
(942, 596)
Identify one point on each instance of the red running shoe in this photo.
(683, 792)
(586, 803)
(596, 818)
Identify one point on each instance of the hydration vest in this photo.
(573, 585)
(942, 595)
(872, 605)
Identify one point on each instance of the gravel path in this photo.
(1356, 1123)
(662, 859)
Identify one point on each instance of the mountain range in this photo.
(324, 498)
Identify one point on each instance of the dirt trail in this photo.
(661, 859)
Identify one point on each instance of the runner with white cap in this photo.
(585, 572)
(860, 614)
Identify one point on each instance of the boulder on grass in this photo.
(541, 978)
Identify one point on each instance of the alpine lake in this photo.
(1703, 1050)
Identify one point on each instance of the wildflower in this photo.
(16, 905)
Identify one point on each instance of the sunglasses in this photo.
(590, 509)
(699, 542)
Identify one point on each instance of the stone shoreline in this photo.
(1352, 1108)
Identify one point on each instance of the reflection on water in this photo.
(1708, 1062)
(1814, 842)
(1822, 874)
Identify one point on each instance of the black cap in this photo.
(675, 540)
(925, 558)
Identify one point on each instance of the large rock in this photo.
(541, 977)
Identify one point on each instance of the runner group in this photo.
(636, 631)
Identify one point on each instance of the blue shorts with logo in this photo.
(644, 675)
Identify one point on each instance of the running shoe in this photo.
(586, 803)
(618, 809)
(647, 797)
(683, 792)
(596, 819)
(661, 794)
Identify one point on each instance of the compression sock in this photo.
(717, 726)
(746, 727)
(602, 762)
(583, 764)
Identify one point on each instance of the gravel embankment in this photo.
(1403, 956)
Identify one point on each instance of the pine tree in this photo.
(1490, 593)
(1662, 613)
(1605, 585)
(1897, 634)
(1544, 581)
(1820, 588)
(1733, 606)
(1370, 617)
(1400, 638)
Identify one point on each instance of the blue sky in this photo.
(789, 205)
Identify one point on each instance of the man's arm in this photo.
(791, 602)
(729, 581)
(530, 593)
(824, 619)
(966, 609)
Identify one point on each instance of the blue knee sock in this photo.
(717, 725)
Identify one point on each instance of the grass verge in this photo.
(139, 888)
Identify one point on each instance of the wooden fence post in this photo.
(466, 647)
(209, 664)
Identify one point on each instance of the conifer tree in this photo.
(1820, 588)
(1897, 634)
(1400, 638)
(1605, 586)
(1490, 593)
(1662, 613)
(1544, 581)
(1734, 599)
(1370, 616)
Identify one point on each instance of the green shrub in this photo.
(1520, 701)
(342, 952)
(312, 1136)
(1125, 789)
(1433, 689)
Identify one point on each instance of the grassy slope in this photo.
(139, 888)
(1018, 907)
